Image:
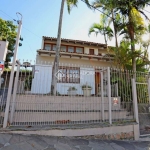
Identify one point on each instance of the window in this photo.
(79, 50)
(70, 49)
(63, 48)
(47, 47)
(91, 51)
(54, 48)
(68, 75)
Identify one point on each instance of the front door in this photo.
(97, 83)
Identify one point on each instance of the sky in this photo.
(40, 18)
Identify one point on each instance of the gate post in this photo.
(149, 89)
(109, 95)
(0, 79)
(135, 105)
(14, 94)
(102, 96)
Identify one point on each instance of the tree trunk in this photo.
(115, 30)
(56, 60)
(131, 34)
(105, 38)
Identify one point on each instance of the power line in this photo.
(98, 10)
(146, 10)
(7, 15)
(31, 32)
(102, 11)
(22, 26)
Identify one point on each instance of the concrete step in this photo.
(70, 116)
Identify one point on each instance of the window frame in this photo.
(47, 44)
(92, 51)
(79, 47)
(68, 80)
(74, 48)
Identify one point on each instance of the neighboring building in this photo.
(82, 59)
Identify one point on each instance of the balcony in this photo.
(100, 57)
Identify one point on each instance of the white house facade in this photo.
(81, 63)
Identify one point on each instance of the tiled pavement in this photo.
(23, 142)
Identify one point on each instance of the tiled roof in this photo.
(77, 41)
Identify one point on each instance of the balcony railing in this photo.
(106, 57)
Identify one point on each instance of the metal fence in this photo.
(4, 81)
(85, 95)
(143, 98)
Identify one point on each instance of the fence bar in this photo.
(102, 96)
(117, 89)
(135, 106)
(149, 90)
(109, 95)
(14, 94)
(0, 79)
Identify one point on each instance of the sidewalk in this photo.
(23, 142)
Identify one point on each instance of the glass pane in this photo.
(47, 47)
(54, 48)
(79, 50)
(70, 49)
(63, 48)
(69, 75)
(71, 71)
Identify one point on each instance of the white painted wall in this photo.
(3, 50)
(87, 75)
(86, 50)
(41, 82)
(96, 51)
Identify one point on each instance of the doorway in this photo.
(91, 51)
(97, 82)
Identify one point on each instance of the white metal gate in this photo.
(143, 107)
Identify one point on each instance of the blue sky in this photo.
(40, 18)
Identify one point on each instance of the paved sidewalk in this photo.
(22, 142)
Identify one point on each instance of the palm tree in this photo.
(109, 7)
(131, 9)
(123, 57)
(102, 28)
(70, 4)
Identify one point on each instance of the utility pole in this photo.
(12, 73)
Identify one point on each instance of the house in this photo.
(80, 63)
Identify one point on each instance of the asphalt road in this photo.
(23, 142)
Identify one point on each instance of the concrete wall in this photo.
(105, 133)
(3, 50)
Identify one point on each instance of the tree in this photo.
(70, 4)
(108, 7)
(132, 10)
(123, 57)
(102, 28)
(8, 33)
